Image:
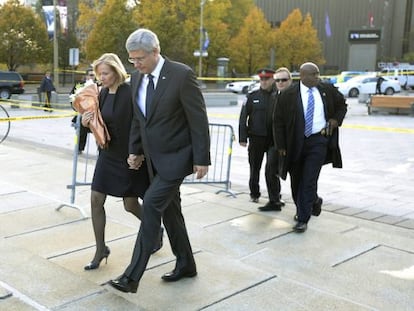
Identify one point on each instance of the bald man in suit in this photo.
(307, 117)
(170, 127)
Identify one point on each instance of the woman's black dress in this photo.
(112, 175)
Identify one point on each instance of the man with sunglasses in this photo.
(255, 124)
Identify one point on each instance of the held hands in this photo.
(86, 118)
(135, 161)
(330, 126)
(200, 170)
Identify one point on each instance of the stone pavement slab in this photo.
(288, 295)
(218, 278)
(246, 259)
(33, 276)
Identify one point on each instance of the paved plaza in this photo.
(357, 255)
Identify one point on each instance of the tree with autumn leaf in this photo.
(177, 24)
(110, 30)
(296, 42)
(250, 48)
(237, 13)
(87, 18)
(23, 36)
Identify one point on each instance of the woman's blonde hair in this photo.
(113, 61)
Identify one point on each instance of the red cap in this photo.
(266, 73)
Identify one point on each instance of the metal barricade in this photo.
(84, 178)
(221, 149)
(221, 146)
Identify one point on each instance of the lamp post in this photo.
(55, 47)
(200, 60)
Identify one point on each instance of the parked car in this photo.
(345, 76)
(366, 84)
(241, 87)
(10, 83)
(404, 75)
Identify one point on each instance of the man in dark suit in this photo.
(170, 127)
(307, 117)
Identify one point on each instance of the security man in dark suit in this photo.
(255, 129)
(307, 117)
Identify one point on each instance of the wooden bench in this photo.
(391, 102)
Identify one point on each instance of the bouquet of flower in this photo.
(85, 99)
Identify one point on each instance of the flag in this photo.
(49, 13)
(328, 31)
(370, 19)
(206, 40)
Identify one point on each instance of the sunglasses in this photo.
(264, 78)
(282, 80)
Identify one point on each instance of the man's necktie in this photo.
(150, 93)
(309, 114)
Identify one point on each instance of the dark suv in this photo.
(10, 83)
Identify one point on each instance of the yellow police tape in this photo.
(36, 117)
(216, 115)
(21, 118)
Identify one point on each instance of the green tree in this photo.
(296, 41)
(408, 57)
(87, 16)
(23, 36)
(250, 48)
(177, 24)
(110, 30)
(237, 13)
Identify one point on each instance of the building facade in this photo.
(356, 34)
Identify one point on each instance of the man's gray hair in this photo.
(142, 39)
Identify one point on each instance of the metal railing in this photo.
(221, 146)
(221, 149)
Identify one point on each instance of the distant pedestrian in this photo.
(47, 87)
(233, 73)
(380, 79)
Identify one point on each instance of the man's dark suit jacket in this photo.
(290, 125)
(174, 135)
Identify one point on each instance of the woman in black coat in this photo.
(112, 175)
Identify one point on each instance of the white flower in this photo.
(79, 88)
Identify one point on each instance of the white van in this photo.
(404, 75)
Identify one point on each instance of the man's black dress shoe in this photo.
(317, 207)
(178, 274)
(124, 284)
(300, 227)
(271, 206)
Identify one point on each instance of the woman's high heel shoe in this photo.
(95, 265)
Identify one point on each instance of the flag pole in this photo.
(55, 47)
